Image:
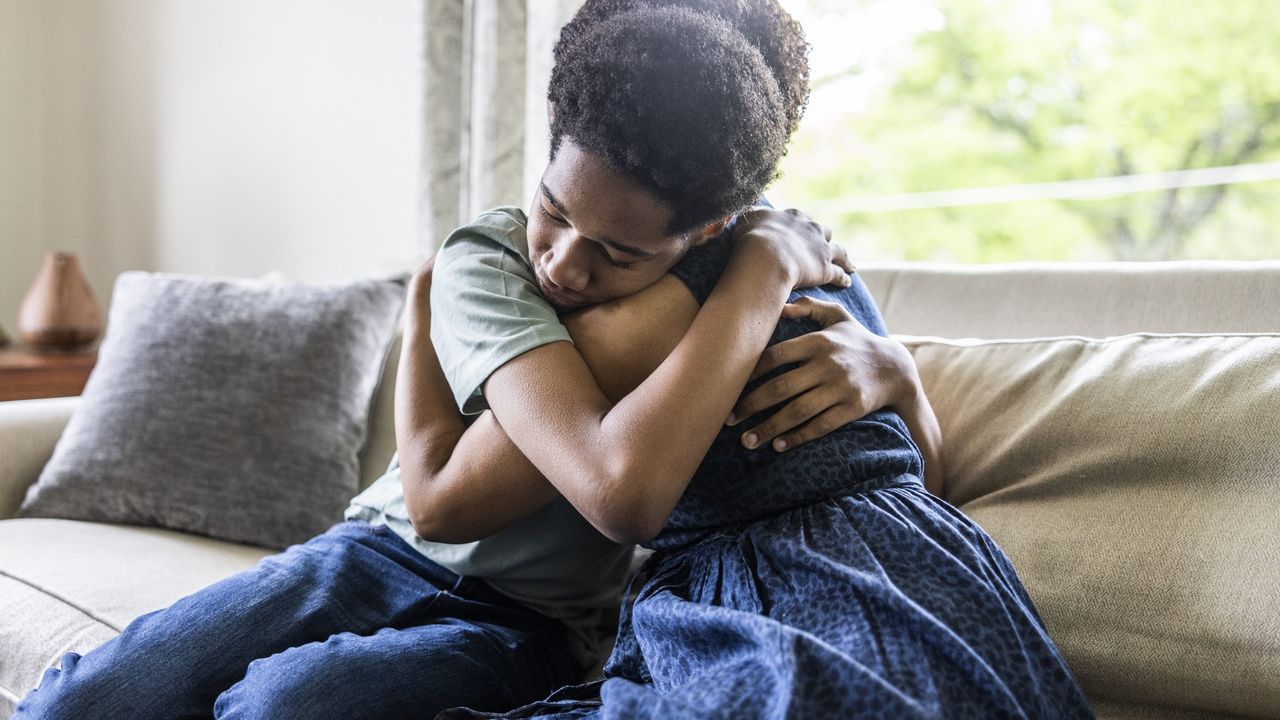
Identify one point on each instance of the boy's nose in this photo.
(567, 267)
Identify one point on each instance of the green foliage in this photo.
(1005, 92)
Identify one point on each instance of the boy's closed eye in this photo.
(599, 247)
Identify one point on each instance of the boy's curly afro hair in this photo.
(677, 100)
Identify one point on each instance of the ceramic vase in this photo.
(59, 312)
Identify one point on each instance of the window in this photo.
(1002, 130)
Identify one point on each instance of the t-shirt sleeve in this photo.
(485, 306)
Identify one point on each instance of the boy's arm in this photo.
(553, 410)
(449, 471)
(465, 483)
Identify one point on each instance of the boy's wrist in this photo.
(762, 252)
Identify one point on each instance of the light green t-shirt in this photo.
(485, 311)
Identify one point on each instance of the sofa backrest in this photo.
(1113, 427)
(1088, 299)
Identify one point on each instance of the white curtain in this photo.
(485, 133)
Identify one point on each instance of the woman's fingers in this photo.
(777, 390)
(832, 418)
(800, 411)
(804, 347)
(822, 312)
(840, 258)
(838, 268)
(784, 353)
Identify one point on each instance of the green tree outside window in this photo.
(1015, 92)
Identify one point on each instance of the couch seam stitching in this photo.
(65, 601)
(8, 694)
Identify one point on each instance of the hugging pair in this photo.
(563, 393)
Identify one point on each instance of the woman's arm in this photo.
(917, 413)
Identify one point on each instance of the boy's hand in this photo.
(796, 242)
(846, 372)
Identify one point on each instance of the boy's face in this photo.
(595, 235)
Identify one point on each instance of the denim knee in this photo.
(279, 687)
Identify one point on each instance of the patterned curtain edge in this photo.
(485, 135)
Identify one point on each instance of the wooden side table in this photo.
(27, 374)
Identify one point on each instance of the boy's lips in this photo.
(559, 299)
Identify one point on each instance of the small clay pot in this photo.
(59, 311)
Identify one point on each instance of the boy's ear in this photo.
(709, 232)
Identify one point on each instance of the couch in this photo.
(1116, 428)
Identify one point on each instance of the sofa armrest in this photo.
(29, 430)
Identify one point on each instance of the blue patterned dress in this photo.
(823, 582)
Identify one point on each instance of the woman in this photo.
(820, 582)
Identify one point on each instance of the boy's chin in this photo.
(567, 307)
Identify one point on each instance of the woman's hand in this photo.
(846, 372)
(797, 243)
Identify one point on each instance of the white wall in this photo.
(19, 138)
(217, 138)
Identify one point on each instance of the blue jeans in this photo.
(353, 623)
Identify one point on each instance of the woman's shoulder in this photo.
(702, 266)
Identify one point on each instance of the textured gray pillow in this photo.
(224, 407)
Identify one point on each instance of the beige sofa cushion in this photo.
(29, 430)
(67, 585)
(1134, 482)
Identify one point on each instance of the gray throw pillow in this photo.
(230, 408)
